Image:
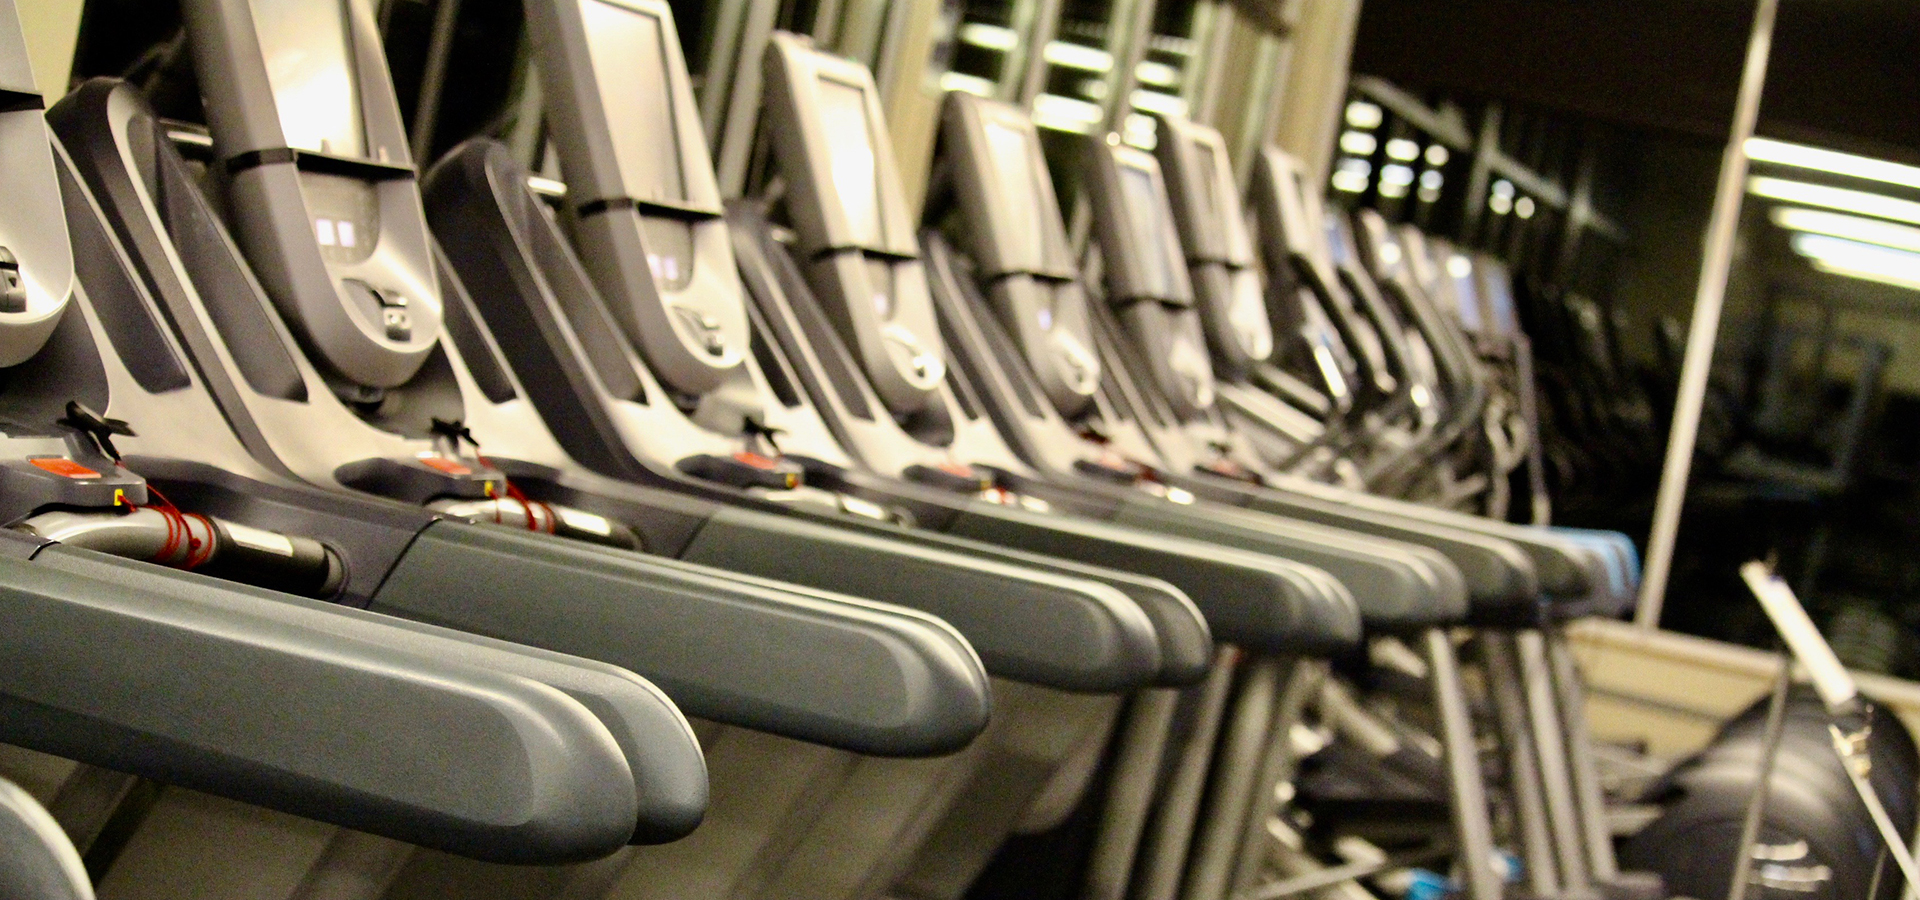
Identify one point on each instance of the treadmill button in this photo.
(745, 470)
(705, 327)
(955, 477)
(13, 290)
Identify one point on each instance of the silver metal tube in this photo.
(1587, 792)
(1757, 804)
(1235, 780)
(1705, 329)
(1543, 713)
(145, 534)
(1523, 764)
(433, 79)
(1143, 745)
(1277, 768)
(1172, 835)
(1473, 831)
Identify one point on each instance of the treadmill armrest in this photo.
(1250, 599)
(1027, 625)
(837, 671)
(1186, 644)
(1398, 586)
(108, 665)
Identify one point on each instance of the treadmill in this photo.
(933, 677)
(1564, 790)
(478, 183)
(1039, 627)
(471, 745)
(804, 294)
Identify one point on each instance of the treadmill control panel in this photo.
(1213, 232)
(856, 237)
(1146, 275)
(642, 204)
(1015, 231)
(306, 130)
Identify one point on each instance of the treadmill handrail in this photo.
(831, 669)
(174, 679)
(614, 594)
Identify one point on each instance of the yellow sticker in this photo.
(119, 497)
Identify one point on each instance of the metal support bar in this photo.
(1757, 804)
(1172, 833)
(1587, 792)
(1705, 328)
(1523, 764)
(735, 142)
(433, 80)
(1473, 831)
(1278, 768)
(1543, 712)
(1130, 794)
(1236, 780)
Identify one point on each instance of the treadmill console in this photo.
(1300, 270)
(856, 235)
(36, 262)
(1016, 236)
(1213, 232)
(312, 162)
(1496, 296)
(1146, 279)
(649, 226)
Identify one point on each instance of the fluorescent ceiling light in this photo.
(1805, 157)
(961, 81)
(1858, 260)
(992, 37)
(1364, 115)
(1855, 228)
(1843, 199)
(1358, 143)
(1064, 113)
(1068, 55)
(1158, 74)
(1156, 102)
(1899, 281)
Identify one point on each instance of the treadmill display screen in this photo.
(856, 176)
(1500, 297)
(1209, 178)
(630, 66)
(310, 69)
(1013, 160)
(1145, 215)
(1460, 269)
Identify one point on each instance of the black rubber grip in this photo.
(1186, 644)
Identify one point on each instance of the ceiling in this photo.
(1843, 73)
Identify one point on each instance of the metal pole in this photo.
(1235, 781)
(1467, 793)
(1543, 714)
(1523, 762)
(1757, 804)
(1587, 790)
(1706, 321)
